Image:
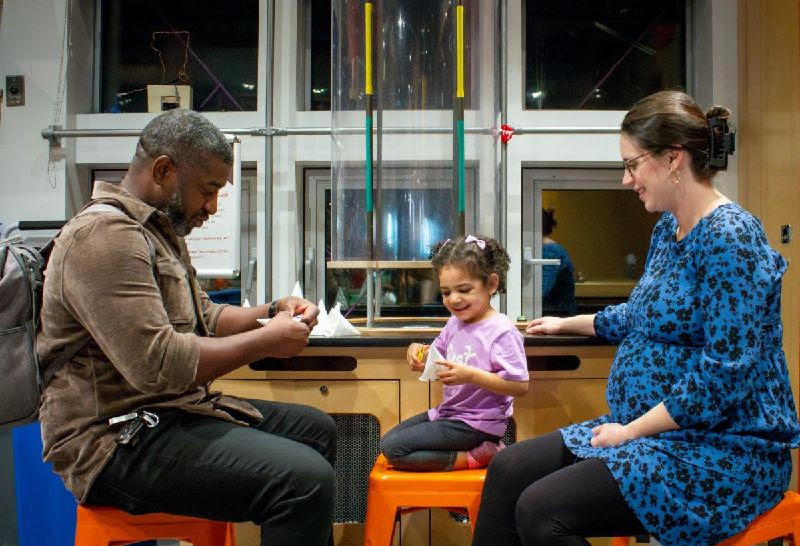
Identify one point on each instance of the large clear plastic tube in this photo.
(412, 80)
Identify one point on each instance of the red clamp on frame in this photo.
(506, 132)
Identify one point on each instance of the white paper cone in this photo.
(429, 373)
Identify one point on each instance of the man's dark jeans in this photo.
(277, 473)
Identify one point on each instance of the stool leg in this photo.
(92, 535)
(379, 527)
(796, 530)
(230, 535)
(472, 511)
(215, 534)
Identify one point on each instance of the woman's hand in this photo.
(416, 355)
(455, 374)
(610, 434)
(545, 325)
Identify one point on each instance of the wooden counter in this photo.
(605, 288)
(368, 376)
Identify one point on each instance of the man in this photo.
(129, 420)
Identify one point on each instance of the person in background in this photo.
(130, 421)
(697, 441)
(558, 281)
(485, 366)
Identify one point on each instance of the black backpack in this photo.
(23, 380)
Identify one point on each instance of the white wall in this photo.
(30, 44)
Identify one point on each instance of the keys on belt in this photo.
(133, 424)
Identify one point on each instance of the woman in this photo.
(701, 420)
(558, 281)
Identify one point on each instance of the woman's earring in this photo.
(676, 177)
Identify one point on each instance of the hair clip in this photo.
(444, 244)
(722, 142)
(472, 239)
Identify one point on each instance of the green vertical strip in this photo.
(460, 131)
(368, 181)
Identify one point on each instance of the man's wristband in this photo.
(273, 309)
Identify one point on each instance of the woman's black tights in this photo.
(538, 493)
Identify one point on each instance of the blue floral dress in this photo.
(702, 333)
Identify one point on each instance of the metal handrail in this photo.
(54, 132)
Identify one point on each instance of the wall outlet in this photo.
(786, 233)
(15, 90)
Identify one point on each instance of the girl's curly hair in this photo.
(480, 262)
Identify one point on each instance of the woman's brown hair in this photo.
(672, 119)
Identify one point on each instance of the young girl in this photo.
(485, 366)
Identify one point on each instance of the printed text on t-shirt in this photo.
(462, 358)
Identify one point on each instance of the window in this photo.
(589, 55)
(202, 53)
(317, 84)
(602, 229)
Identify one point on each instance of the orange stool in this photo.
(391, 490)
(103, 526)
(783, 520)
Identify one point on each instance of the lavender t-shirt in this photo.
(493, 344)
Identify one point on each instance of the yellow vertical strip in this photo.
(368, 48)
(460, 51)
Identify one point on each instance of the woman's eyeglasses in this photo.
(632, 164)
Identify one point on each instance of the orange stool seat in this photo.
(104, 526)
(781, 521)
(391, 490)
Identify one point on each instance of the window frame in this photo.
(600, 176)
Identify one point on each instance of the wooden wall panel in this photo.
(769, 138)
(768, 120)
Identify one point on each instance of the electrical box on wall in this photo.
(15, 90)
(168, 97)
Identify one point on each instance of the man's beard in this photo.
(177, 217)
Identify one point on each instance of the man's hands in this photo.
(292, 334)
(240, 340)
(298, 306)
